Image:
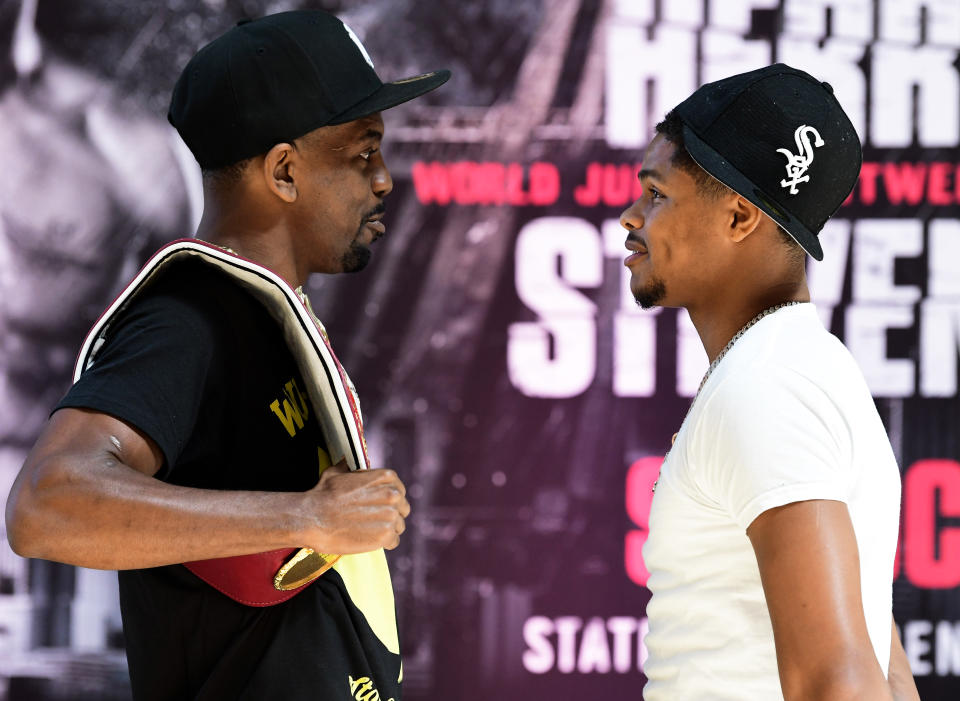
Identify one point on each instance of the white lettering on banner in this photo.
(866, 337)
(916, 51)
(639, 11)
(877, 245)
(933, 73)
(900, 20)
(634, 329)
(939, 346)
(933, 648)
(556, 355)
(825, 278)
(917, 647)
(684, 14)
(737, 15)
(727, 54)
(943, 266)
(852, 19)
(940, 314)
(638, 92)
(571, 645)
(692, 361)
(947, 656)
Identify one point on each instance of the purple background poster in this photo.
(504, 371)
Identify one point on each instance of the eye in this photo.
(655, 194)
(368, 154)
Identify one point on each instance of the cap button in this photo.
(827, 87)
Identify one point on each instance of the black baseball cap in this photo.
(778, 137)
(273, 79)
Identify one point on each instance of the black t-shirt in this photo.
(197, 364)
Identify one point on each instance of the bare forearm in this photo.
(899, 675)
(847, 681)
(103, 514)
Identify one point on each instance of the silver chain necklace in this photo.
(721, 354)
(736, 337)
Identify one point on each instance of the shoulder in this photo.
(190, 309)
(190, 295)
(789, 357)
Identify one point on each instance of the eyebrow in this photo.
(649, 173)
(370, 133)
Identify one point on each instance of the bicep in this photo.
(77, 462)
(81, 435)
(810, 570)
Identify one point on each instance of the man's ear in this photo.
(745, 218)
(279, 171)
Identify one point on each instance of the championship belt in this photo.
(263, 579)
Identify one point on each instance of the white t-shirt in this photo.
(786, 416)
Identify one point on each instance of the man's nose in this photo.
(631, 218)
(382, 183)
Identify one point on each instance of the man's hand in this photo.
(87, 496)
(356, 511)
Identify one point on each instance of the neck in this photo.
(719, 321)
(250, 232)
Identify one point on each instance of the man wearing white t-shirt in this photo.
(774, 521)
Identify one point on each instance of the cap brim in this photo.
(724, 171)
(393, 94)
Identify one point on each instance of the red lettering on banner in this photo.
(544, 184)
(931, 556)
(938, 184)
(904, 182)
(431, 182)
(639, 494)
(896, 557)
(464, 181)
(868, 182)
(588, 194)
(611, 184)
(486, 183)
(514, 186)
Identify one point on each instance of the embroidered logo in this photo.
(797, 163)
(356, 40)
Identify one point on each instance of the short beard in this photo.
(651, 295)
(355, 258)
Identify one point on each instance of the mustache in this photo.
(380, 209)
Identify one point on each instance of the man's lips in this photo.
(377, 226)
(638, 248)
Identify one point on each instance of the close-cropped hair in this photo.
(672, 130)
(228, 175)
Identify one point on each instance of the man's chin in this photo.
(356, 258)
(650, 295)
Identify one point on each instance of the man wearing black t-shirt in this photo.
(192, 436)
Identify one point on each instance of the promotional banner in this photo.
(504, 369)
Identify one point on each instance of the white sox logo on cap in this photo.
(797, 163)
(356, 40)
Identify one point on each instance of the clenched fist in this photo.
(355, 512)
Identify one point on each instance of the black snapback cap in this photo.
(778, 137)
(274, 79)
